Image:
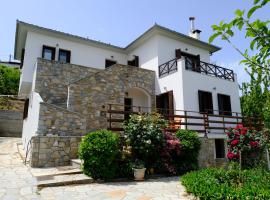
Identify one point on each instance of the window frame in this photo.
(201, 110)
(68, 55)
(53, 49)
(222, 111)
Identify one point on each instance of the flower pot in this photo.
(139, 174)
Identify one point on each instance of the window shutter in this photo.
(200, 96)
(178, 53)
(210, 103)
(25, 110)
(171, 106)
(136, 60)
(22, 58)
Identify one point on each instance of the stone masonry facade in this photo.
(50, 151)
(75, 102)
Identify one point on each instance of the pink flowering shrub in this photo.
(250, 142)
(170, 152)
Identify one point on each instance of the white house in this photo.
(186, 85)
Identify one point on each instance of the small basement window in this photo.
(48, 53)
(109, 63)
(64, 56)
(220, 148)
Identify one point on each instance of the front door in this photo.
(127, 107)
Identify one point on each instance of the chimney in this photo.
(194, 33)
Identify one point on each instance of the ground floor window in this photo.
(220, 148)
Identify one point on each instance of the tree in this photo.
(256, 97)
(9, 80)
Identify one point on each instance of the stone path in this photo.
(18, 183)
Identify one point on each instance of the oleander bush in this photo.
(100, 152)
(190, 147)
(144, 134)
(213, 183)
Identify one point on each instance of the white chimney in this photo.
(195, 33)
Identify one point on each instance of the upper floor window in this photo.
(109, 63)
(205, 102)
(48, 52)
(224, 104)
(64, 56)
(134, 62)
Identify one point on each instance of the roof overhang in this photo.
(23, 28)
(157, 29)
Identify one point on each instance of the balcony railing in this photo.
(209, 69)
(183, 119)
(196, 66)
(167, 68)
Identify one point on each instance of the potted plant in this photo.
(138, 170)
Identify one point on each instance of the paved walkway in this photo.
(17, 182)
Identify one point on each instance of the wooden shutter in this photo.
(209, 103)
(158, 103)
(25, 110)
(178, 53)
(22, 58)
(136, 61)
(171, 106)
(205, 101)
(200, 97)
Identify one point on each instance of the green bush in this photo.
(228, 184)
(190, 147)
(100, 150)
(9, 80)
(144, 134)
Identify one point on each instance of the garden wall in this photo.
(51, 151)
(11, 123)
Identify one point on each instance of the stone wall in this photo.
(54, 120)
(51, 151)
(91, 96)
(207, 154)
(11, 123)
(53, 77)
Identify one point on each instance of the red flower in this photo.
(243, 131)
(235, 142)
(232, 155)
(239, 126)
(253, 143)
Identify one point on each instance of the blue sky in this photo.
(120, 21)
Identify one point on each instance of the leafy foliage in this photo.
(100, 150)
(190, 146)
(222, 184)
(256, 97)
(9, 80)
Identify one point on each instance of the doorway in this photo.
(127, 107)
(164, 103)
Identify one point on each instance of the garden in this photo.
(145, 148)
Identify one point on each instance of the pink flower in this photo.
(243, 131)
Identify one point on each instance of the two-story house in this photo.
(74, 85)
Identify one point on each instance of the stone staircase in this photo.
(61, 176)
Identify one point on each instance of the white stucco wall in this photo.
(167, 46)
(139, 98)
(30, 124)
(81, 54)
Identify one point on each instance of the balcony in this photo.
(205, 123)
(196, 66)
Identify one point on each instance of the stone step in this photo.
(76, 163)
(55, 171)
(62, 180)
